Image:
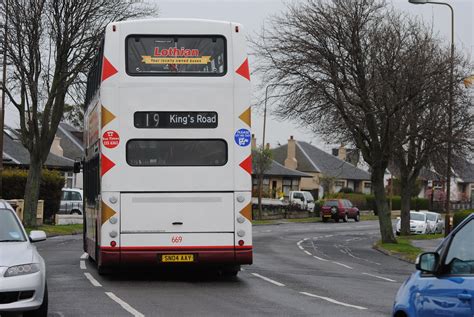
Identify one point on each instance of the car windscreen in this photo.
(331, 203)
(10, 229)
(431, 217)
(173, 55)
(177, 152)
(417, 216)
(308, 196)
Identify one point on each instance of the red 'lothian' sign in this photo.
(110, 139)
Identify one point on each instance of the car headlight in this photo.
(23, 269)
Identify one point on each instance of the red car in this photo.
(339, 209)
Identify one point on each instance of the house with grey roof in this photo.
(462, 186)
(66, 147)
(307, 158)
(16, 155)
(278, 180)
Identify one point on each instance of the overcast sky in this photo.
(253, 13)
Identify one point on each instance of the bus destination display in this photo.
(175, 120)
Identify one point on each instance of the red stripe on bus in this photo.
(176, 248)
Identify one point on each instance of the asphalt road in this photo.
(299, 270)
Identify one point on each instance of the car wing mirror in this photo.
(37, 235)
(427, 262)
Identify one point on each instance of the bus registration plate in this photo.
(177, 258)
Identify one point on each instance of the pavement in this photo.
(316, 269)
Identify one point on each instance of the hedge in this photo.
(367, 202)
(459, 216)
(52, 182)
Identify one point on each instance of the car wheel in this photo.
(41, 311)
(345, 218)
(336, 219)
(325, 219)
(357, 217)
(76, 212)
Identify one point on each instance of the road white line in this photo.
(305, 239)
(124, 305)
(341, 264)
(82, 265)
(307, 252)
(380, 277)
(301, 247)
(320, 259)
(268, 280)
(84, 256)
(333, 301)
(92, 280)
(299, 242)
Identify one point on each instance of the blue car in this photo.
(443, 284)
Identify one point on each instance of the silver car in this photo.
(22, 270)
(71, 201)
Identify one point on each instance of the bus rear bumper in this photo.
(146, 256)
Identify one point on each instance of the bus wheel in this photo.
(231, 270)
(102, 270)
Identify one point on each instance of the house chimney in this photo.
(56, 148)
(342, 153)
(253, 142)
(290, 161)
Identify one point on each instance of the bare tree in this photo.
(261, 163)
(423, 133)
(342, 63)
(50, 43)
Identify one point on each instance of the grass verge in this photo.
(403, 249)
(59, 230)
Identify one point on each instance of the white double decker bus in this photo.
(167, 168)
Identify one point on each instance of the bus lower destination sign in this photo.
(175, 120)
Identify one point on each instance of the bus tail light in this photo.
(241, 242)
(241, 233)
(113, 244)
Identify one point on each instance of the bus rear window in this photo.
(176, 55)
(176, 152)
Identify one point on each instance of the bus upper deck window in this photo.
(156, 55)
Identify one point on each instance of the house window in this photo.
(69, 179)
(367, 188)
(290, 185)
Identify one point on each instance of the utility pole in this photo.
(4, 79)
(447, 205)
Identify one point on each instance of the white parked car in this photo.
(435, 220)
(303, 199)
(418, 223)
(22, 270)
